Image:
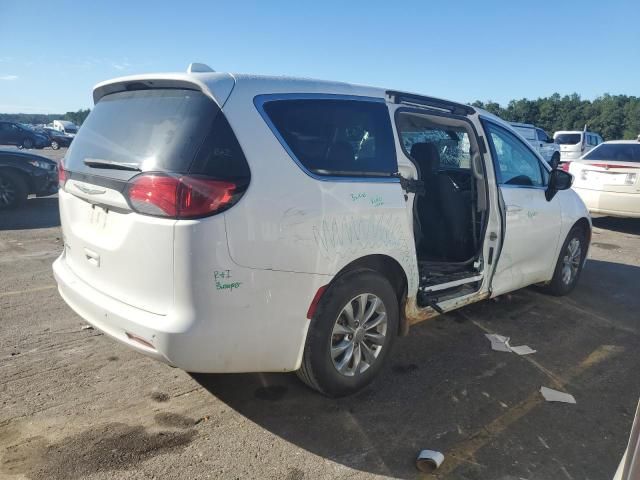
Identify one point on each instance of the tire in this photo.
(27, 143)
(569, 264)
(55, 145)
(326, 364)
(13, 190)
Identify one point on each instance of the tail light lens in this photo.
(564, 166)
(181, 196)
(62, 174)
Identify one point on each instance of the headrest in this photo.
(427, 156)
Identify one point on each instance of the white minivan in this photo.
(239, 223)
(574, 144)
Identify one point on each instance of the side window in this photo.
(516, 164)
(452, 146)
(541, 135)
(337, 137)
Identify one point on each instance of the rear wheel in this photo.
(55, 145)
(570, 262)
(351, 334)
(13, 190)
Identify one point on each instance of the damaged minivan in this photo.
(239, 223)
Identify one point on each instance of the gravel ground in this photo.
(77, 405)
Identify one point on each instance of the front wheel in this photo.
(55, 145)
(569, 264)
(27, 143)
(351, 334)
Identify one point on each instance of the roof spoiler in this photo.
(436, 103)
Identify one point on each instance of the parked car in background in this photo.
(295, 232)
(540, 141)
(65, 126)
(57, 138)
(13, 133)
(608, 178)
(574, 144)
(22, 174)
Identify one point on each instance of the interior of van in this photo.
(450, 207)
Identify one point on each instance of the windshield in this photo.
(568, 138)
(621, 152)
(158, 129)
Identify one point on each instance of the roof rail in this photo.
(199, 68)
(413, 99)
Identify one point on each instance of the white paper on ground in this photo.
(551, 395)
(522, 350)
(500, 343)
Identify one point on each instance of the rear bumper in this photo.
(264, 330)
(611, 203)
(116, 319)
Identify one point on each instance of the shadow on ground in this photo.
(37, 212)
(622, 225)
(444, 389)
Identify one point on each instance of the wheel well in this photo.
(586, 226)
(391, 269)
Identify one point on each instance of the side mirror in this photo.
(558, 180)
(554, 162)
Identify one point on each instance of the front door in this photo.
(531, 222)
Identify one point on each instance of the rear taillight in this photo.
(564, 166)
(181, 196)
(62, 174)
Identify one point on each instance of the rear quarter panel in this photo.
(289, 221)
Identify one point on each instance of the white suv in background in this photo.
(242, 223)
(540, 141)
(574, 144)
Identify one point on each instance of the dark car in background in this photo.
(22, 174)
(12, 133)
(57, 138)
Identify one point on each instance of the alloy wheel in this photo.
(571, 261)
(359, 334)
(7, 192)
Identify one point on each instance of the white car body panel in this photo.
(230, 293)
(608, 187)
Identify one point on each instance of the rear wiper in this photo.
(97, 163)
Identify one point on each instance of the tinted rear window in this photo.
(621, 152)
(156, 130)
(568, 138)
(337, 137)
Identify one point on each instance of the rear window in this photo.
(336, 137)
(568, 138)
(169, 130)
(621, 152)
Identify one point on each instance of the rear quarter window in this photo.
(336, 137)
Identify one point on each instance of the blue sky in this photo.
(52, 53)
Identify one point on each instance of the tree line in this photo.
(45, 118)
(614, 117)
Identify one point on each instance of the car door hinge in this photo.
(410, 185)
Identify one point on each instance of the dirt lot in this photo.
(77, 405)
